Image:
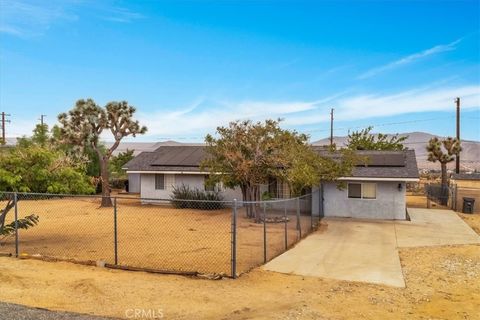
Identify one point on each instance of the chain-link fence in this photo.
(440, 195)
(162, 235)
(269, 228)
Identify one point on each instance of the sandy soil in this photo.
(442, 283)
(416, 201)
(149, 236)
(420, 201)
(473, 220)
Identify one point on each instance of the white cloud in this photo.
(410, 59)
(122, 15)
(412, 101)
(26, 18)
(202, 116)
(201, 119)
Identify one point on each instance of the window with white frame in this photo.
(160, 181)
(366, 190)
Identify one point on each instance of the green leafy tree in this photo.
(41, 134)
(247, 154)
(364, 140)
(117, 162)
(443, 151)
(35, 168)
(83, 125)
(40, 137)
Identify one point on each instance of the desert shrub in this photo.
(118, 183)
(185, 197)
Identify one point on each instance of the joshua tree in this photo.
(84, 124)
(443, 151)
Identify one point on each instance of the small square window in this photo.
(160, 182)
(355, 190)
(369, 190)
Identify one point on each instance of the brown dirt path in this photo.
(442, 283)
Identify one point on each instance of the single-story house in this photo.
(376, 190)
(154, 174)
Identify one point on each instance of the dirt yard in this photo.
(420, 201)
(149, 236)
(473, 220)
(442, 283)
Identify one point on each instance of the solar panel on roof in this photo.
(179, 156)
(386, 160)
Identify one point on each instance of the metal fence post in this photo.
(427, 193)
(299, 227)
(15, 200)
(286, 225)
(311, 212)
(234, 239)
(264, 232)
(115, 230)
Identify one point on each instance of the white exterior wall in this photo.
(134, 182)
(390, 203)
(192, 180)
(147, 189)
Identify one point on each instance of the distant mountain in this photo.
(469, 158)
(139, 147)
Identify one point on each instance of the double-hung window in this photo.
(366, 190)
(160, 181)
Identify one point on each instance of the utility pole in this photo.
(4, 120)
(331, 127)
(457, 162)
(41, 119)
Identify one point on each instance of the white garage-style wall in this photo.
(390, 202)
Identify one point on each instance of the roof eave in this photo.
(406, 179)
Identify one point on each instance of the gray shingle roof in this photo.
(187, 158)
(169, 158)
(375, 169)
(381, 164)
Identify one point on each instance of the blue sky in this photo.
(189, 66)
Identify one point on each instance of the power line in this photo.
(382, 124)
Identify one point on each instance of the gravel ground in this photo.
(17, 312)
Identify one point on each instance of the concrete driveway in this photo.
(366, 250)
